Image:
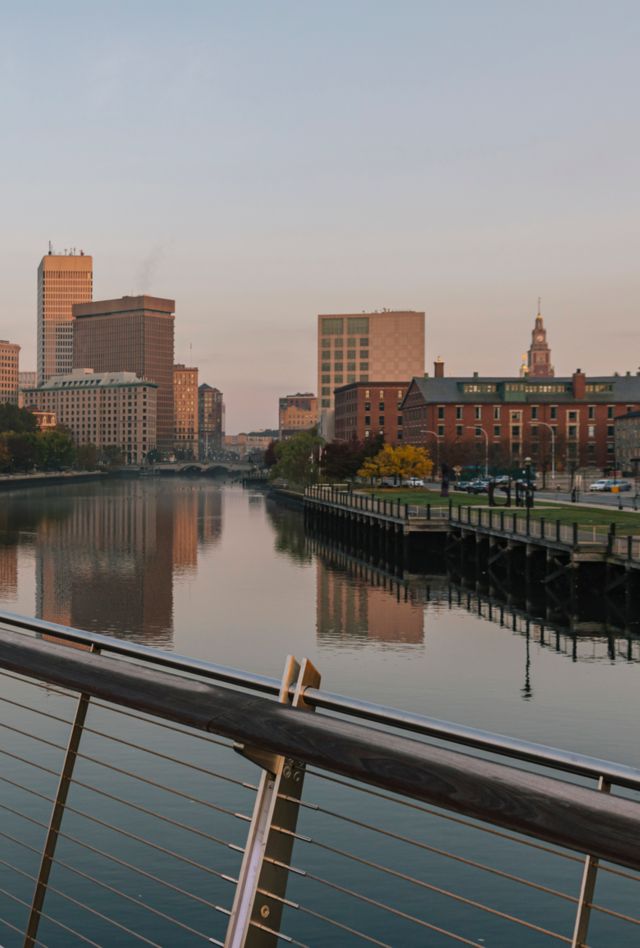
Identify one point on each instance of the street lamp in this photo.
(477, 428)
(545, 424)
(437, 437)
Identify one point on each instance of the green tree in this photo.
(86, 457)
(112, 455)
(24, 449)
(297, 458)
(56, 449)
(13, 418)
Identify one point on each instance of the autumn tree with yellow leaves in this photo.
(400, 462)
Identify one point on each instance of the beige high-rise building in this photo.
(363, 347)
(297, 413)
(131, 334)
(110, 409)
(185, 401)
(63, 279)
(9, 365)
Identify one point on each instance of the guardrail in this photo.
(125, 818)
(379, 506)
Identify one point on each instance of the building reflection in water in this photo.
(106, 560)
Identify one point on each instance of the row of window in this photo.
(571, 414)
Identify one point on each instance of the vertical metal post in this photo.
(587, 889)
(258, 903)
(55, 820)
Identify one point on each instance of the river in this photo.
(224, 574)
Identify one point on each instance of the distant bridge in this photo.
(207, 468)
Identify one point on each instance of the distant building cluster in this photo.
(106, 370)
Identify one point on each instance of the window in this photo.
(572, 415)
(326, 390)
(326, 378)
(496, 412)
(326, 366)
(573, 431)
(515, 431)
(380, 406)
(356, 325)
(364, 342)
(496, 431)
(458, 412)
(364, 366)
(553, 412)
(381, 419)
(338, 379)
(592, 412)
(326, 403)
(534, 431)
(351, 354)
(610, 430)
(367, 419)
(367, 406)
(534, 412)
(458, 431)
(351, 366)
(441, 431)
(478, 412)
(338, 367)
(441, 412)
(332, 326)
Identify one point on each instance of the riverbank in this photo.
(50, 479)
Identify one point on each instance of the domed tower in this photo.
(539, 354)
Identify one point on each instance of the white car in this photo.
(603, 484)
(414, 482)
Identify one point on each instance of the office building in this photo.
(360, 347)
(25, 380)
(569, 421)
(249, 442)
(9, 363)
(108, 409)
(185, 408)
(63, 280)
(131, 334)
(368, 410)
(210, 420)
(297, 413)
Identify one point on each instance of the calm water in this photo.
(223, 574)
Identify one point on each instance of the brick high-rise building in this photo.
(9, 365)
(210, 420)
(63, 280)
(131, 334)
(185, 401)
(360, 347)
(369, 409)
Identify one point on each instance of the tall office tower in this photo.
(185, 402)
(210, 420)
(131, 334)
(25, 380)
(360, 347)
(63, 279)
(9, 360)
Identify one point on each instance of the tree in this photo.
(56, 449)
(112, 455)
(87, 457)
(270, 456)
(403, 461)
(24, 450)
(297, 458)
(13, 418)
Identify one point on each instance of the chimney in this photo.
(438, 368)
(579, 381)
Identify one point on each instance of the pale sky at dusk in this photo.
(265, 162)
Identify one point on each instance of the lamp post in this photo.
(527, 470)
(437, 437)
(545, 424)
(486, 446)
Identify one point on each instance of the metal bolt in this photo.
(286, 771)
(265, 911)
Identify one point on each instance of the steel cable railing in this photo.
(156, 761)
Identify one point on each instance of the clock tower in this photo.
(539, 354)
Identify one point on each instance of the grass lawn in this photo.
(625, 521)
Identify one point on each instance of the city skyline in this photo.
(489, 162)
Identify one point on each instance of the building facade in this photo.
(131, 334)
(297, 413)
(9, 371)
(25, 380)
(249, 442)
(185, 406)
(369, 409)
(359, 347)
(108, 409)
(63, 280)
(569, 421)
(627, 442)
(210, 420)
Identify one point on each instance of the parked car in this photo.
(413, 482)
(462, 485)
(479, 486)
(621, 485)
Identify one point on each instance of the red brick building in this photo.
(462, 420)
(368, 409)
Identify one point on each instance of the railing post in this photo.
(55, 820)
(611, 538)
(542, 528)
(262, 884)
(587, 889)
(558, 532)
(428, 511)
(575, 535)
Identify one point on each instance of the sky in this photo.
(263, 162)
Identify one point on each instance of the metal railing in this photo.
(396, 510)
(148, 797)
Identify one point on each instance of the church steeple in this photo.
(539, 354)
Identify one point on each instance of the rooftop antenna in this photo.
(539, 305)
(50, 248)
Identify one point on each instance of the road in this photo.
(626, 500)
